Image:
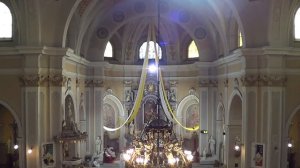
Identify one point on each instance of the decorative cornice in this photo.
(33, 80)
(250, 80)
(264, 80)
(208, 83)
(272, 80)
(94, 83)
(57, 80)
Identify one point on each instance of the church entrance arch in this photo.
(234, 132)
(292, 141)
(10, 139)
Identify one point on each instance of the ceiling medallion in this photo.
(118, 16)
(139, 7)
(102, 33)
(200, 33)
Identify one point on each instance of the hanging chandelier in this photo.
(157, 147)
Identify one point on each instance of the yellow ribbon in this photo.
(140, 94)
(164, 94)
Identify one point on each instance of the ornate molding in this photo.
(264, 80)
(94, 83)
(208, 83)
(250, 80)
(272, 80)
(57, 80)
(33, 80)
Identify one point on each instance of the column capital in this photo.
(94, 83)
(208, 83)
(263, 80)
(33, 80)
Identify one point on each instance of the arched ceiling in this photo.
(125, 22)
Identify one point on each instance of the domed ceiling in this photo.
(125, 24)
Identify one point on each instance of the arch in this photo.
(235, 92)
(108, 52)
(20, 131)
(20, 140)
(235, 116)
(151, 50)
(285, 138)
(193, 51)
(183, 106)
(297, 25)
(66, 28)
(6, 29)
(113, 99)
(114, 103)
(117, 106)
(70, 107)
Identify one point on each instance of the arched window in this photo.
(193, 50)
(151, 53)
(5, 22)
(297, 25)
(240, 39)
(108, 53)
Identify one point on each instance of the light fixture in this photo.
(204, 132)
(16, 146)
(237, 144)
(237, 147)
(290, 145)
(29, 151)
(152, 68)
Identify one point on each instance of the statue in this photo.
(128, 96)
(172, 96)
(109, 155)
(131, 128)
(211, 145)
(98, 144)
(204, 154)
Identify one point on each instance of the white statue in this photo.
(98, 144)
(211, 145)
(204, 154)
(131, 128)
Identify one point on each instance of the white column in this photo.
(32, 126)
(203, 138)
(275, 104)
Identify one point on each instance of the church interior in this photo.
(149, 83)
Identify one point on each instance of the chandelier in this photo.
(157, 147)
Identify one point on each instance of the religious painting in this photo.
(258, 155)
(48, 155)
(150, 110)
(192, 116)
(109, 116)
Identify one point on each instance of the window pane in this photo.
(151, 53)
(5, 21)
(108, 53)
(240, 39)
(297, 25)
(193, 50)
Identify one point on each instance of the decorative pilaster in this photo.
(95, 114)
(206, 111)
